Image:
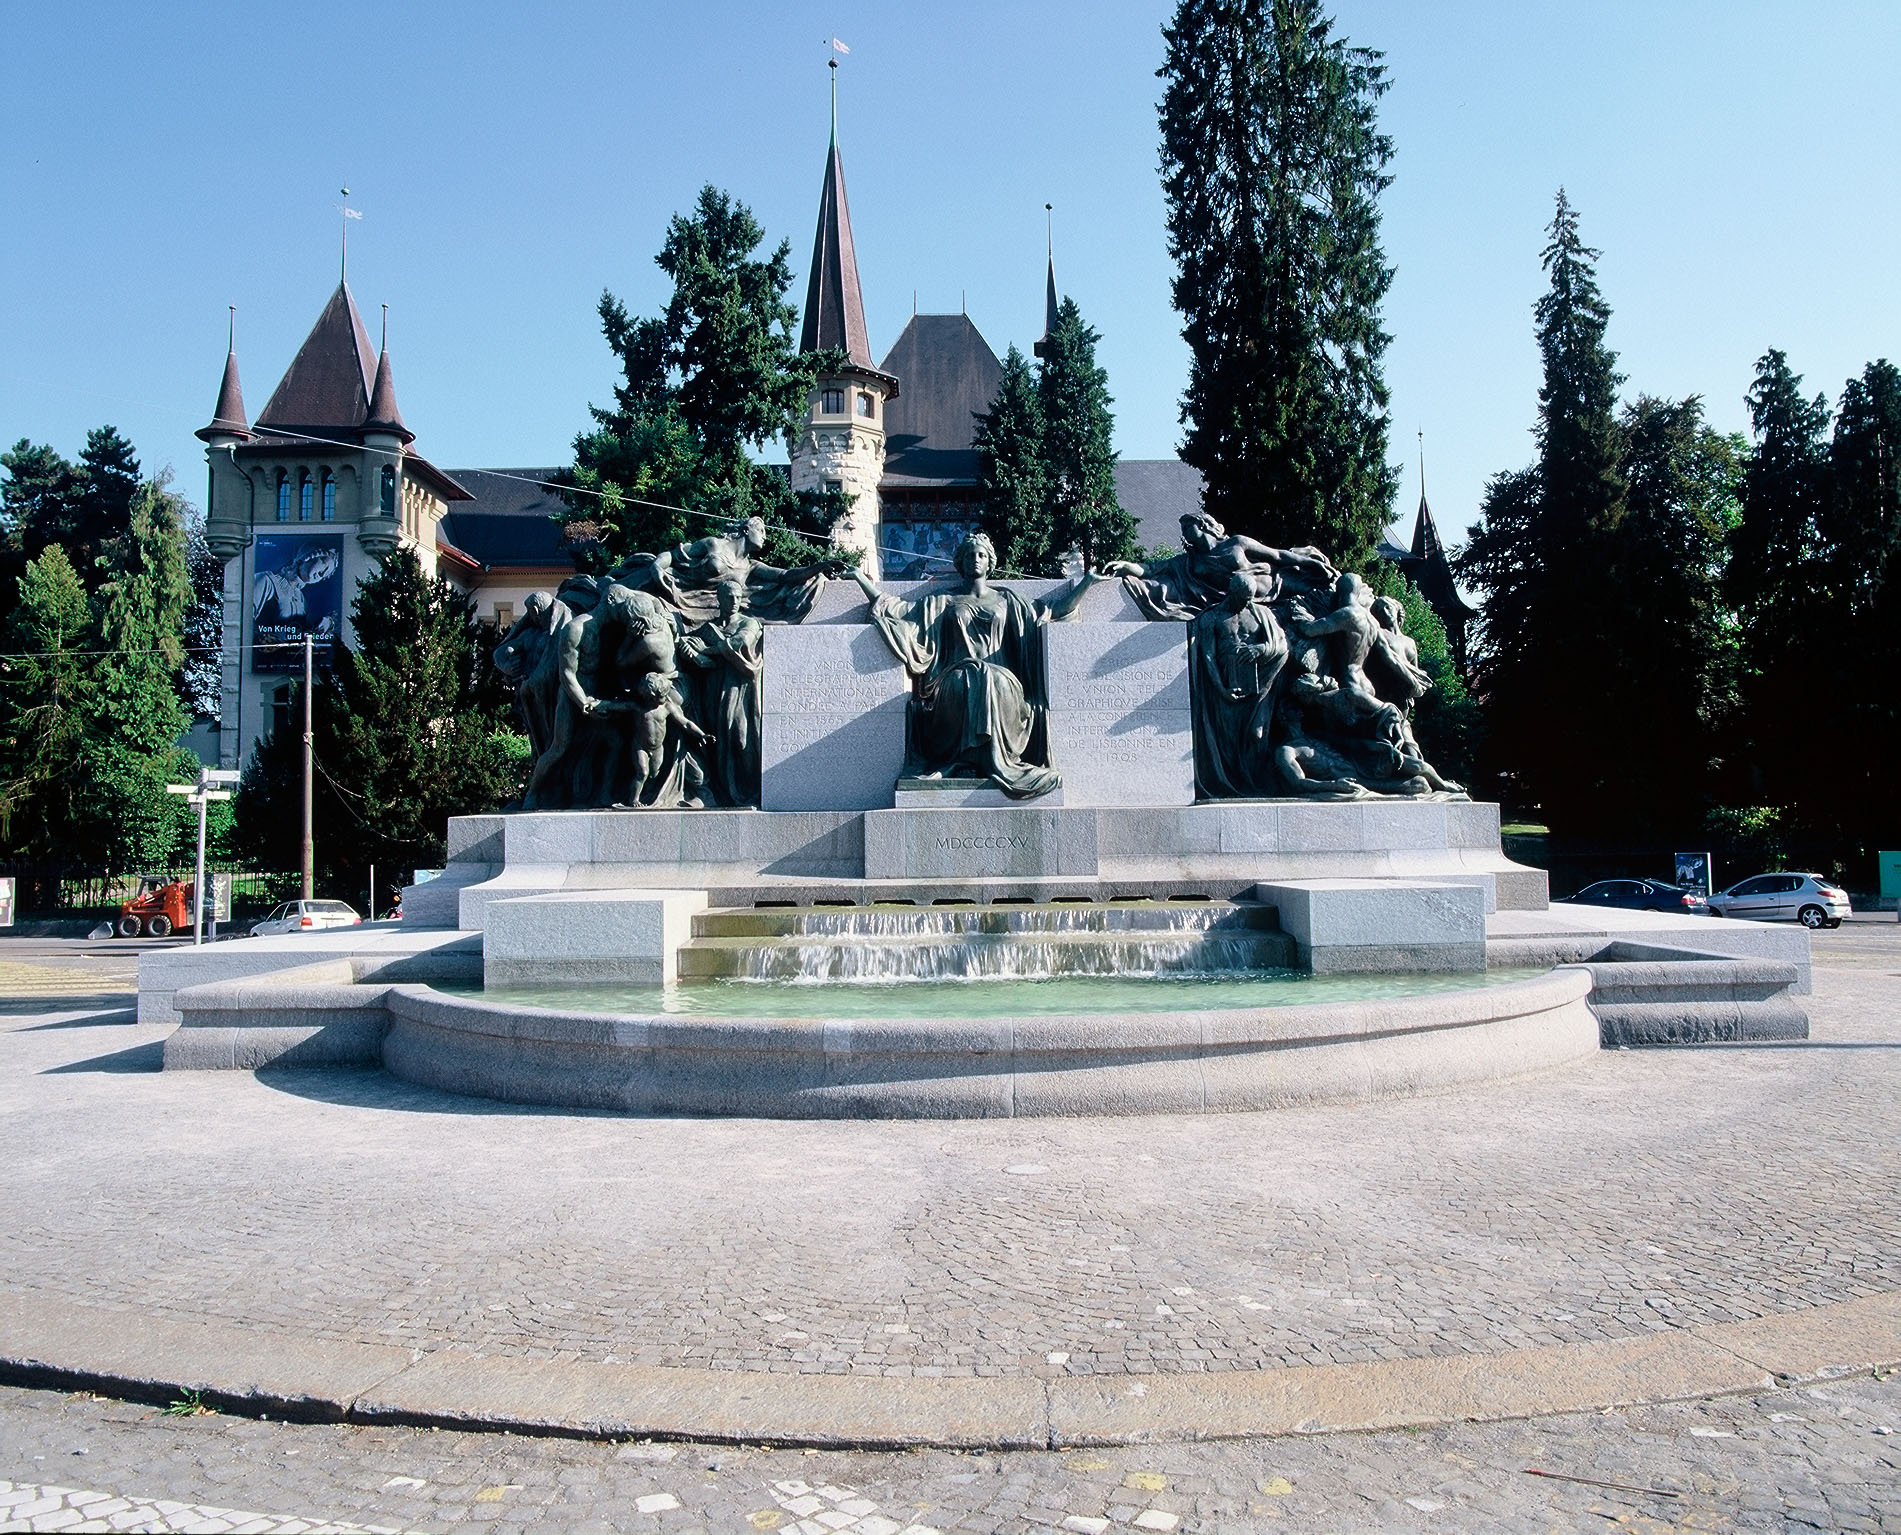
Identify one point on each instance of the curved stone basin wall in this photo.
(1183, 1062)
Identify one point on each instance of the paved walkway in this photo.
(1825, 1457)
(1633, 1218)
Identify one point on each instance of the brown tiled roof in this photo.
(383, 415)
(834, 304)
(228, 419)
(950, 376)
(326, 390)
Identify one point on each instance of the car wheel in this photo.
(1812, 917)
(1834, 921)
(128, 927)
(159, 926)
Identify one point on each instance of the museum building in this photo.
(303, 502)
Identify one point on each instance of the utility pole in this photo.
(310, 849)
(201, 794)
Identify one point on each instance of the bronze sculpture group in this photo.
(640, 686)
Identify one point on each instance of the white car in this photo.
(302, 916)
(1805, 898)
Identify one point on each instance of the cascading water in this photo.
(887, 944)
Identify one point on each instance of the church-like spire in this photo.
(834, 305)
(1050, 301)
(383, 415)
(228, 420)
(1426, 545)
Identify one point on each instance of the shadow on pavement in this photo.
(109, 1017)
(146, 1057)
(104, 1006)
(370, 1087)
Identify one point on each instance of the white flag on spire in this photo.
(353, 213)
(838, 47)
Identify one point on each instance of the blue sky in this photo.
(1735, 162)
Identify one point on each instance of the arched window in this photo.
(867, 406)
(832, 402)
(283, 496)
(306, 495)
(329, 505)
(388, 481)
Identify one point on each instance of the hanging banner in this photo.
(297, 591)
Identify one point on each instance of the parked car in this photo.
(1805, 898)
(1643, 895)
(302, 916)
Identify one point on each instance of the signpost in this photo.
(201, 794)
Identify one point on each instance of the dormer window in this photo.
(867, 406)
(832, 402)
(329, 503)
(283, 496)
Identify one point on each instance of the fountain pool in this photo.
(1037, 997)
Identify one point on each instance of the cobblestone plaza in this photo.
(1640, 1195)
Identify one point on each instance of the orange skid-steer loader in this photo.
(162, 907)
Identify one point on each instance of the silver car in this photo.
(1805, 898)
(303, 916)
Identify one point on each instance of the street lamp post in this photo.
(201, 794)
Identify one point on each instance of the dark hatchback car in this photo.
(1642, 895)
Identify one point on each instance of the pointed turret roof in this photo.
(326, 390)
(383, 415)
(1050, 305)
(228, 419)
(834, 305)
(1427, 567)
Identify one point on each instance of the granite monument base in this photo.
(976, 852)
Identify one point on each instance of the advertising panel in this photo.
(297, 591)
(1693, 872)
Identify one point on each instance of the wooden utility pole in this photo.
(310, 849)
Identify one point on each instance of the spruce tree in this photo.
(1273, 164)
(1544, 659)
(1776, 578)
(1079, 457)
(717, 374)
(1010, 478)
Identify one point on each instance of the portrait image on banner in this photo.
(297, 591)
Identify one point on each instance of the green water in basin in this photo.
(888, 1000)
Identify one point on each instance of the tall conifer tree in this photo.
(1543, 553)
(1079, 458)
(718, 373)
(1273, 164)
(1010, 481)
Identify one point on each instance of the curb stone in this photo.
(50, 1341)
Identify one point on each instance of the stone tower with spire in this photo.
(327, 466)
(841, 443)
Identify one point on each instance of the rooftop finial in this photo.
(383, 345)
(231, 346)
(343, 259)
(832, 65)
(1422, 468)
